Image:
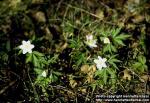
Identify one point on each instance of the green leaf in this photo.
(106, 48)
(53, 78)
(98, 73)
(105, 76)
(57, 73)
(115, 32)
(80, 59)
(113, 59)
(137, 65)
(38, 71)
(35, 61)
(114, 65)
(145, 67)
(119, 41)
(109, 48)
(112, 73)
(142, 59)
(93, 85)
(8, 45)
(20, 51)
(122, 37)
(113, 48)
(38, 54)
(52, 59)
(29, 57)
(102, 74)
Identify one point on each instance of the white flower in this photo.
(26, 47)
(89, 37)
(100, 62)
(106, 40)
(44, 73)
(90, 41)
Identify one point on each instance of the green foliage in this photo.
(116, 39)
(62, 67)
(50, 78)
(113, 60)
(106, 77)
(75, 43)
(140, 65)
(109, 48)
(36, 58)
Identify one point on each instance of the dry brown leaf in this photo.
(72, 83)
(40, 16)
(120, 24)
(90, 3)
(92, 68)
(85, 68)
(78, 21)
(138, 18)
(130, 26)
(64, 46)
(126, 75)
(88, 69)
(89, 78)
(83, 90)
(145, 78)
(100, 14)
(48, 35)
(14, 3)
(37, 1)
(60, 47)
(134, 1)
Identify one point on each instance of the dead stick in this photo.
(5, 88)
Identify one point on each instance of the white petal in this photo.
(100, 62)
(23, 42)
(100, 58)
(96, 61)
(104, 59)
(99, 67)
(44, 73)
(106, 40)
(91, 46)
(29, 51)
(24, 51)
(89, 37)
(32, 46)
(28, 42)
(104, 65)
(26, 47)
(94, 41)
(21, 46)
(95, 45)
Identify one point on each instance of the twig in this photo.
(5, 88)
(107, 6)
(132, 72)
(34, 90)
(88, 13)
(60, 2)
(65, 89)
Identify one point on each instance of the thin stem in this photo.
(68, 5)
(34, 90)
